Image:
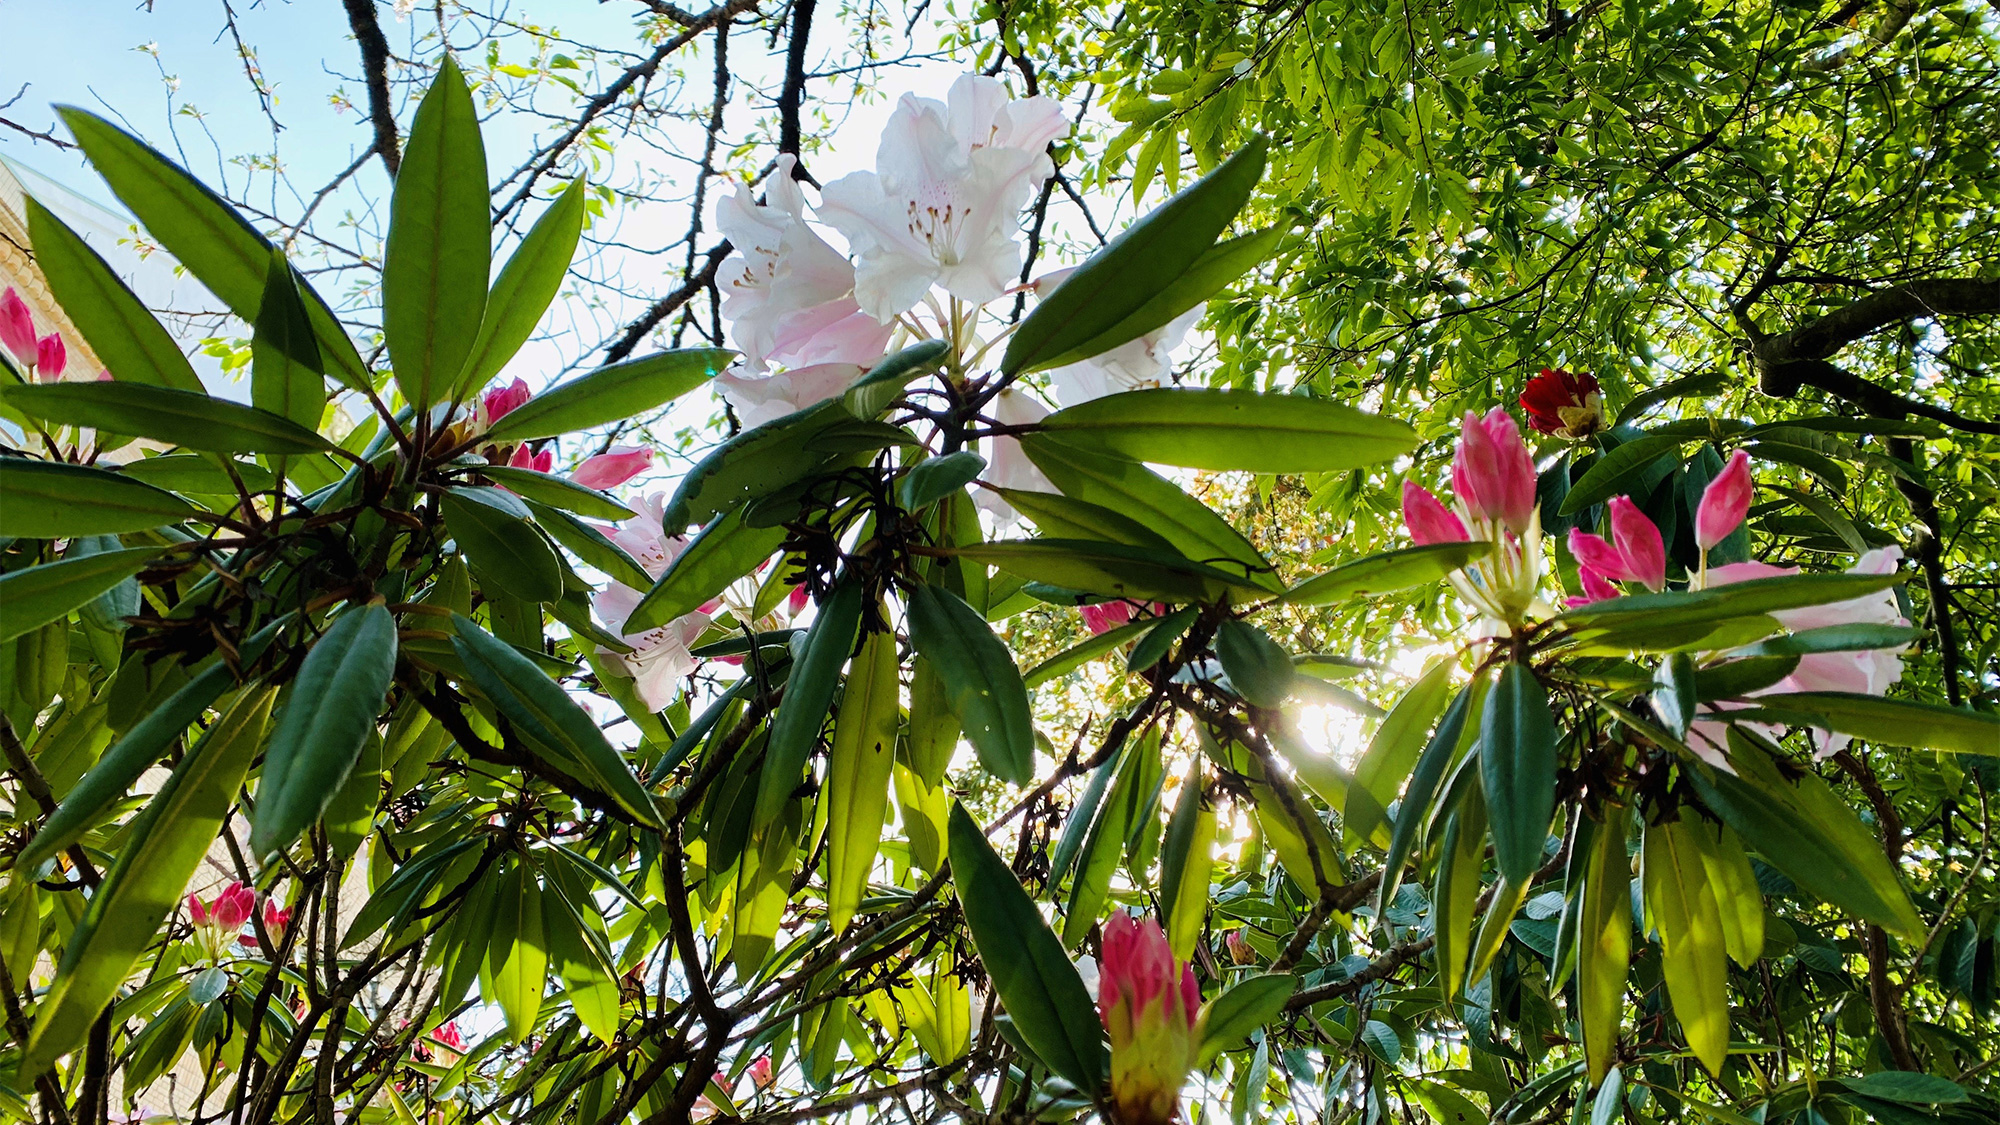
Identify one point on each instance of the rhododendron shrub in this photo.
(960, 730)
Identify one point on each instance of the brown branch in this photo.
(1884, 308)
(1785, 380)
(665, 307)
(792, 97)
(375, 68)
(1929, 551)
(1884, 998)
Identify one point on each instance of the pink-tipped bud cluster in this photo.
(228, 911)
(1493, 487)
(1492, 474)
(499, 402)
(276, 919)
(48, 355)
(541, 460)
(1635, 552)
(1428, 519)
(1725, 502)
(1150, 1005)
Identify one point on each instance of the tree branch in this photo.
(375, 68)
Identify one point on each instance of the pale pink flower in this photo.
(760, 1072)
(1149, 1003)
(613, 467)
(51, 356)
(17, 326)
(943, 205)
(758, 399)
(659, 656)
(1136, 364)
(1725, 502)
(1428, 520)
(1491, 472)
(788, 295)
(1007, 464)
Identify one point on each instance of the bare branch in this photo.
(375, 67)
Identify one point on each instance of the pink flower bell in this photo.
(1638, 556)
(540, 462)
(613, 467)
(275, 921)
(501, 401)
(1150, 1005)
(1492, 473)
(1105, 616)
(17, 326)
(1725, 502)
(760, 1073)
(1428, 519)
(447, 1035)
(51, 356)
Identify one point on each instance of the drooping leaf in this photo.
(1038, 987)
(1233, 430)
(1064, 517)
(857, 775)
(1259, 670)
(1186, 863)
(1220, 264)
(610, 394)
(1386, 573)
(1452, 734)
(808, 697)
(53, 500)
(163, 847)
(547, 714)
(1152, 648)
(1604, 943)
(1392, 754)
(756, 463)
(1147, 257)
(934, 478)
(981, 682)
(33, 597)
(188, 419)
(492, 530)
(190, 472)
(329, 712)
(1130, 796)
(556, 492)
(285, 367)
(1517, 766)
(1680, 903)
(589, 544)
(524, 289)
(440, 245)
(133, 345)
(1083, 652)
(1247, 1006)
(1456, 889)
(517, 959)
(1113, 570)
(1893, 722)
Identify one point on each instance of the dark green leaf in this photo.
(52, 500)
(188, 419)
(1038, 987)
(31, 598)
(526, 285)
(440, 245)
(1258, 668)
(1425, 779)
(285, 367)
(755, 463)
(328, 714)
(610, 394)
(590, 545)
(1908, 1087)
(1894, 722)
(1152, 647)
(128, 340)
(189, 472)
(1858, 637)
(1517, 764)
(873, 392)
(556, 492)
(1147, 257)
(723, 552)
(1217, 266)
(1233, 430)
(1619, 470)
(981, 681)
(1114, 570)
(808, 697)
(937, 477)
(491, 528)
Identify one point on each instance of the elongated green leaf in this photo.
(1186, 864)
(1517, 764)
(1385, 573)
(981, 682)
(1246, 1007)
(1604, 945)
(857, 775)
(590, 545)
(721, 553)
(440, 244)
(1908, 1087)
(1857, 637)
(754, 464)
(1217, 266)
(1456, 889)
(329, 712)
(935, 478)
(808, 697)
(1152, 648)
(589, 979)
(491, 529)
(883, 384)
(526, 285)
(190, 472)
(610, 394)
(1738, 899)
(1618, 471)
(1680, 608)
(1148, 500)
(556, 492)
(1114, 570)
(405, 889)
(1077, 655)
(285, 365)
(1894, 722)
(1038, 987)
(201, 231)
(52, 500)
(1443, 748)
(517, 959)
(1233, 430)
(1805, 830)
(547, 714)
(1258, 668)
(1109, 830)
(189, 419)
(1147, 257)
(1392, 754)
(1681, 904)
(131, 343)
(31, 598)
(162, 850)
(1063, 517)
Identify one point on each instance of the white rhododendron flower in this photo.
(659, 657)
(763, 398)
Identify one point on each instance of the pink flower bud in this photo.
(1492, 473)
(233, 906)
(760, 1072)
(1639, 543)
(1428, 519)
(795, 603)
(614, 467)
(500, 401)
(50, 358)
(540, 462)
(1105, 616)
(447, 1035)
(1149, 1003)
(1239, 949)
(197, 912)
(17, 326)
(1596, 587)
(1725, 502)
